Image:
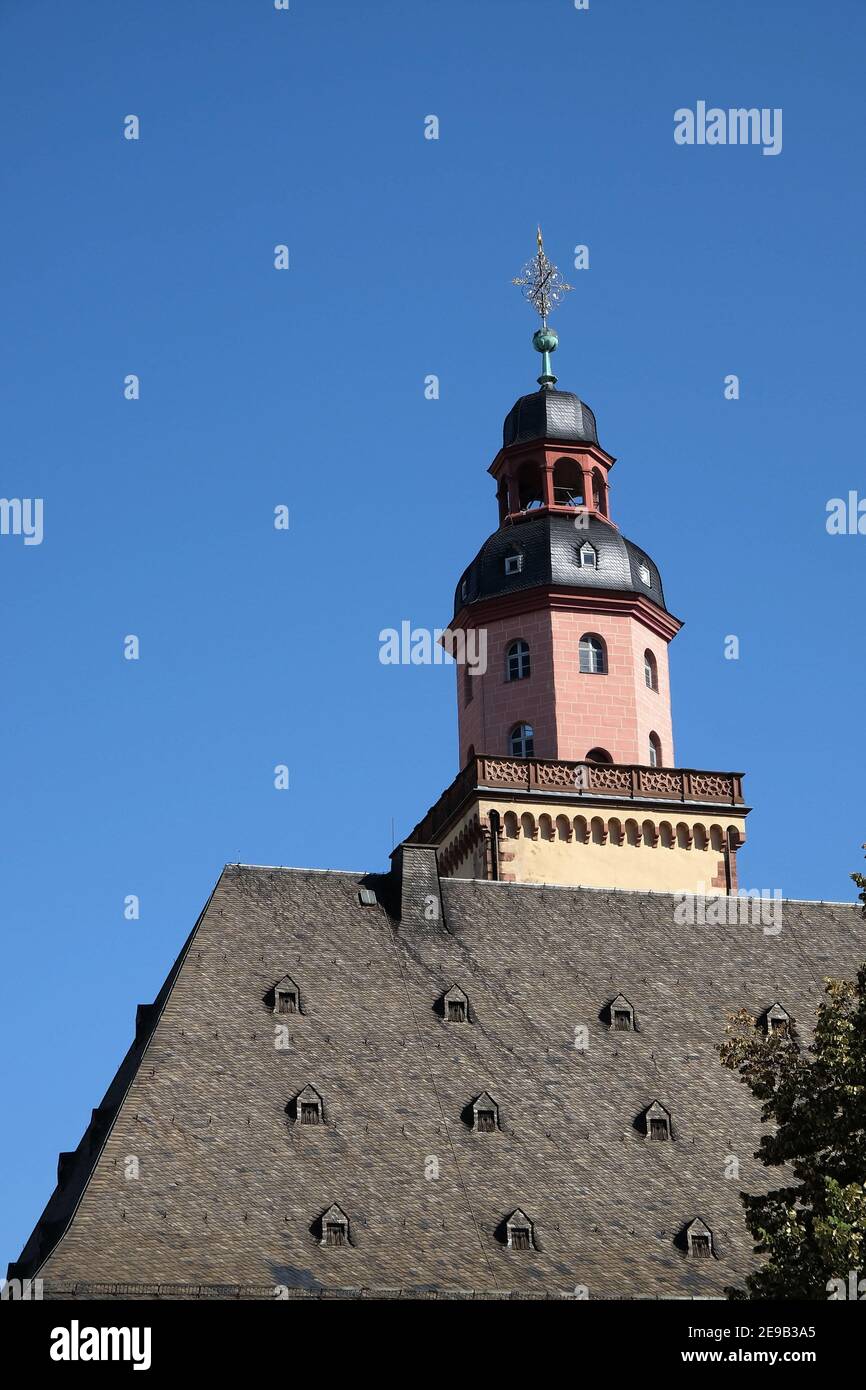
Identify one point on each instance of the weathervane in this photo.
(545, 289)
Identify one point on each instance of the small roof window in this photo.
(518, 1231)
(455, 1006)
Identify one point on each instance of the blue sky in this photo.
(306, 388)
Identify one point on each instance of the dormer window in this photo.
(513, 563)
(485, 1114)
(644, 572)
(621, 1015)
(658, 1123)
(777, 1020)
(518, 1231)
(287, 997)
(456, 1006)
(588, 556)
(308, 1107)
(699, 1240)
(464, 590)
(335, 1227)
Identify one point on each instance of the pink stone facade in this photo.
(571, 712)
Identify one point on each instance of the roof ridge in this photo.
(644, 892)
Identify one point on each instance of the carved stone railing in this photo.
(629, 781)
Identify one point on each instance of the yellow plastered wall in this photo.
(540, 854)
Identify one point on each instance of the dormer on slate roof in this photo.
(699, 1240)
(485, 1114)
(621, 1015)
(335, 1227)
(287, 996)
(658, 1123)
(519, 1232)
(776, 1020)
(309, 1109)
(455, 1006)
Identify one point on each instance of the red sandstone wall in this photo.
(569, 711)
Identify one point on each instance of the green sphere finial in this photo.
(545, 341)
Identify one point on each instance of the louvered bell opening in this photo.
(456, 1011)
(658, 1129)
(485, 1121)
(701, 1247)
(520, 1240)
(622, 1020)
(287, 1002)
(310, 1113)
(335, 1233)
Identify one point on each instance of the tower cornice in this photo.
(561, 447)
(547, 597)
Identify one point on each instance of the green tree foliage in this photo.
(813, 1229)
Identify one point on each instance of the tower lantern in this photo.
(573, 705)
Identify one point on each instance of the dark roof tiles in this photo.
(550, 544)
(228, 1193)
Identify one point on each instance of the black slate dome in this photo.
(549, 415)
(549, 546)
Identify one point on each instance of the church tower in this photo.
(568, 708)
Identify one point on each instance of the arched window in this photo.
(568, 483)
(517, 660)
(655, 750)
(529, 490)
(593, 657)
(468, 685)
(502, 498)
(521, 742)
(598, 755)
(598, 492)
(650, 670)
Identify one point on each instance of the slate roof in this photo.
(549, 414)
(550, 545)
(230, 1190)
